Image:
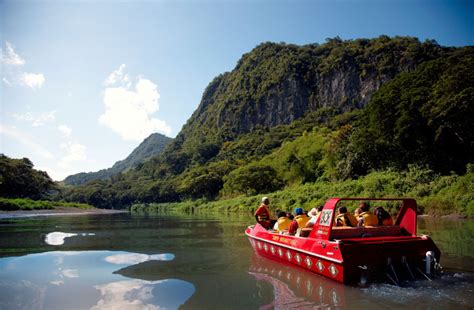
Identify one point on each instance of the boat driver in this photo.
(262, 215)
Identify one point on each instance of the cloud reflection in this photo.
(140, 294)
(70, 273)
(136, 258)
(57, 237)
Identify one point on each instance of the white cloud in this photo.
(27, 141)
(136, 258)
(36, 120)
(10, 57)
(129, 110)
(12, 72)
(117, 295)
(57, 237)
(58, 283)
(74, 152)
(6, 81)
(32, 80)
(65, 130)
(117, 76)
(70, 273)
(139, 294)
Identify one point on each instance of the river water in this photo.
(131, 261)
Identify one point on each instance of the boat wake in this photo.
(451, 289)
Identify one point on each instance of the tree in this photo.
(252, 179)
(19, 179)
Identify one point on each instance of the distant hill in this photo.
(151, 146)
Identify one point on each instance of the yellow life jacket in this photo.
(283, 223)
(347, 219)
(302, 220)
(369, 219)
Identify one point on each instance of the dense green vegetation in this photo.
(293, 117)
(19, 179)
(21, 187)
(422, 117)
(435, 194)
(12, 204)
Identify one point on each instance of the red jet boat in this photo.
(354, 254)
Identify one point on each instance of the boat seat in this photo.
(370, 231)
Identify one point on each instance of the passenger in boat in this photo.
(345, 218)
(383, 216)
(283, 223)
(262, 215)
(364, 217)
(299, 221)
(314, 215)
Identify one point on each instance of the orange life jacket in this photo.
(387, 221)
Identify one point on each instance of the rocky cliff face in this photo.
(278, 83)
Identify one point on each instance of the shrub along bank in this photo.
(9, 204)
(435, 194)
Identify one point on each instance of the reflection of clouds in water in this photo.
(70, 273)
(114, 295)
(57, 237)
(65, 278)
(21, 295)
(61, 282)
(139, 294)
(136, 258)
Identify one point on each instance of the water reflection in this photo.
(86, 280)
(135, 258)
(296, 288)
(57, 237)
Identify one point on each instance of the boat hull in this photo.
(287, 253)
(348, 261)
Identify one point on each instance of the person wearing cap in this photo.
(262, 215)
(313, 216)
(300, 221)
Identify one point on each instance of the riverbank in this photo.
(451, 195)
(59, 211)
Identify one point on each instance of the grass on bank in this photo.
(13, 204)
(435, 195)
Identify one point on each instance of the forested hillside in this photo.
(291, 115)
(18, 179)
(151, 146)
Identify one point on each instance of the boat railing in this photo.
(405, 223)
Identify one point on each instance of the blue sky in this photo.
(84, 82)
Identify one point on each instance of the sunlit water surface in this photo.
(126, 261)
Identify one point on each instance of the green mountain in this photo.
(289, 115)
(151, 146)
